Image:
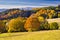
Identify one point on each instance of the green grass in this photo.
(39, 35)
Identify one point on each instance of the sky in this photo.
(27, 3)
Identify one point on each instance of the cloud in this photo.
(24, 6)
(14, 6)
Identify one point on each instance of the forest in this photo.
(17, 20)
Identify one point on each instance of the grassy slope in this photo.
(54, 20)
(41, 35)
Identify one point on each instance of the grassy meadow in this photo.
(39, 35)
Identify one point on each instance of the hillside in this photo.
(26, 12)
(14, 13)
(40, 35)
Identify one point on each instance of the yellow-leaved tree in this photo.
(2, 26)
(16, 25)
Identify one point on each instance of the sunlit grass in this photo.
(40, 35)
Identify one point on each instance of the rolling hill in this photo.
(13, 13)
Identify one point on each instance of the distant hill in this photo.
(1, 10)
(23, 12)
(13, 13)
(27, 8)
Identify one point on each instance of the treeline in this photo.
(46, 12)
(33, 23)
(14, 13)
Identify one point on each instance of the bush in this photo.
(58, 15)
(16, 25)
(32, 23)
(44, 26)
(41, 19)
(2, 27)
(54, 25)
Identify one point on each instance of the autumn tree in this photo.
(52, 14)
(32, 23)
(41, 19)
(44, 25)
(42, 12)
(2, 26)
(16, 25)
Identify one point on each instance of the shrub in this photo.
(41, 19)
(32, 23)
(44, 26)
(54, 25)
(15, 25)
(58, 15)
(2, 26)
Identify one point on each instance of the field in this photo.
(39, 35)
(54, 20)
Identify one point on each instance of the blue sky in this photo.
(27, 3)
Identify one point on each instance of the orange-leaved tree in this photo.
(32, 23)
